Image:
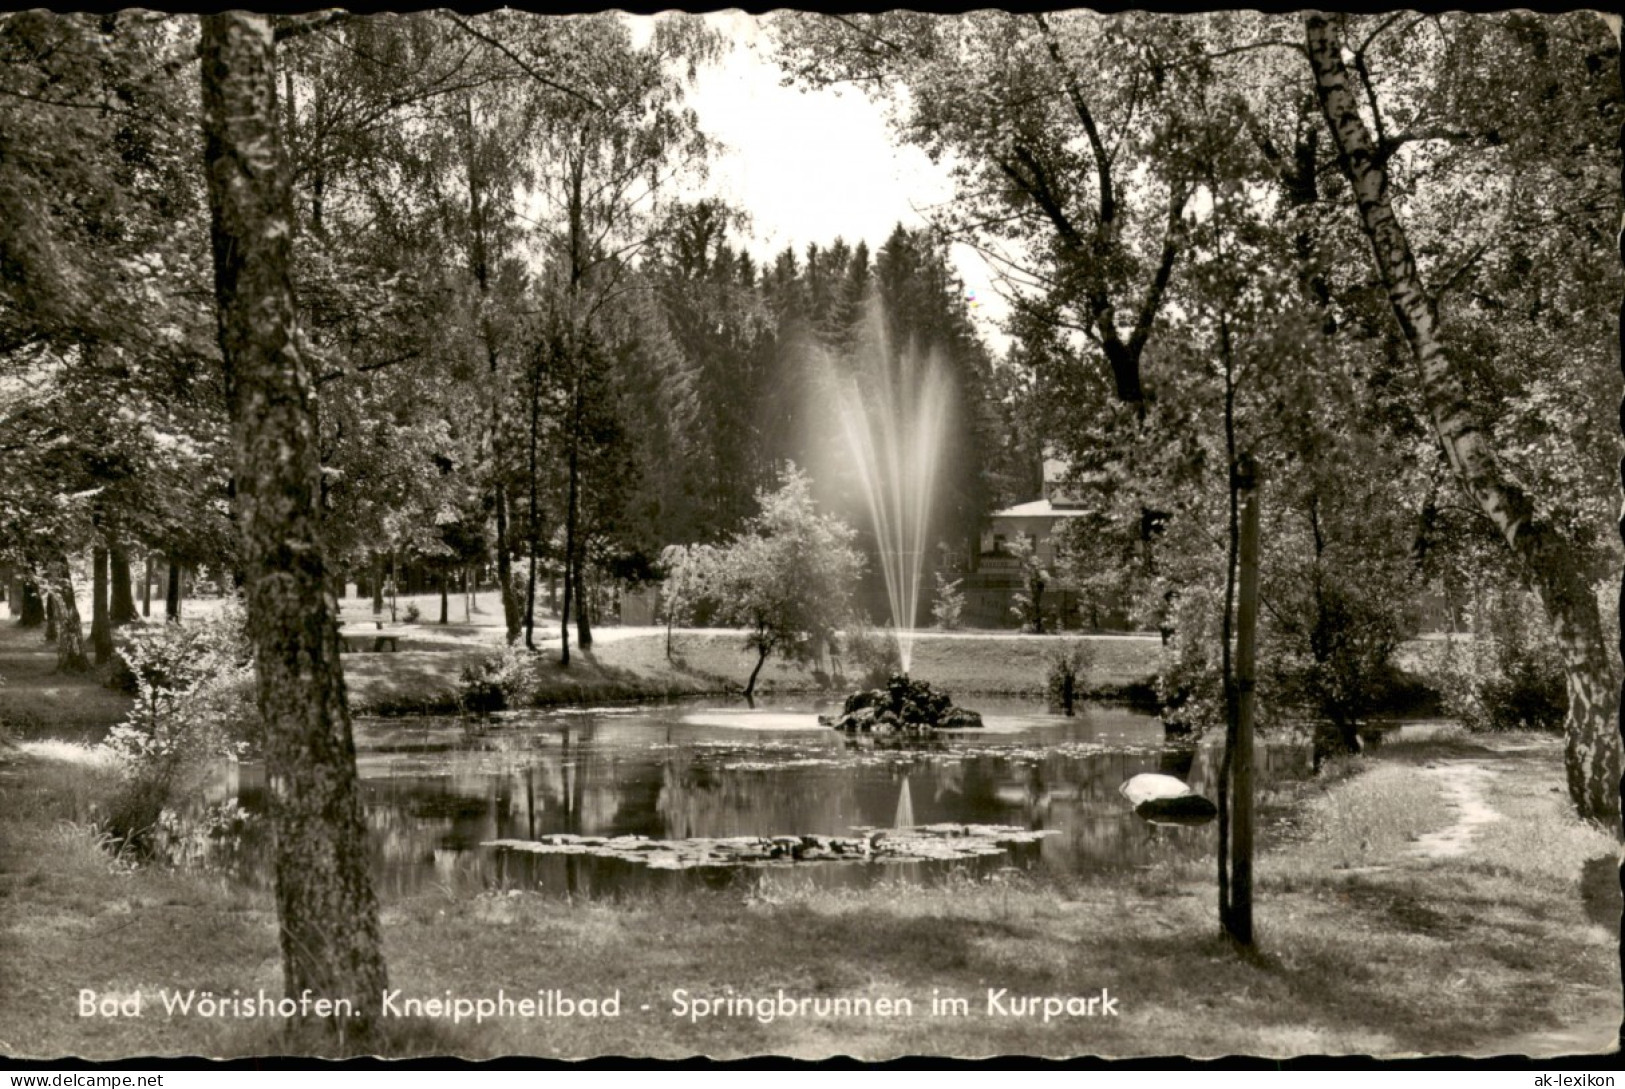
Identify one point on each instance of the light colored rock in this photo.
(1152, 787)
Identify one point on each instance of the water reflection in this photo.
(434, 790)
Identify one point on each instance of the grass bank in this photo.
(1384, 928)
(35, 698)
(632, 664)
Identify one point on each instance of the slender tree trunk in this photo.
(480, 259)
(121, 605)
(1546, 561)
(511, 613)
(377, 566)
(750, 685)
(325, 904)
(172, 592)
(445, 604)
(50, 616)
(532, 530)
(69, 630)
(101, 628)
(394, 583)
(146, 585)
(571, 586)
(583, 607)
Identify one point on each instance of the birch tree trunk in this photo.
(1546, 562)
(65, 628)
(325, 901)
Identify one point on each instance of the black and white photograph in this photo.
(933, 536)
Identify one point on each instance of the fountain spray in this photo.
(894, 410)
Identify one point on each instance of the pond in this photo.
(438, 792)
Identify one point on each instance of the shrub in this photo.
(948, 607)
(1027, 603)
(194, 703)
(875, 654)
(413, 614)
(500, 681)
(1067, 665)
(1190, 684)
(1508, 675)
(218, 829)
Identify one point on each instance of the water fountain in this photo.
(894, 412)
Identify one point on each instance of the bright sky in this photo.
(808, 166)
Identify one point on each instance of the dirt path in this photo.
(1463, 783)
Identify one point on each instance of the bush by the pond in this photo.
(1508, 675)
(1190, 686)
(499, 681)
(194, 702)
(1065, 677)
(948, 606)
(874, 653)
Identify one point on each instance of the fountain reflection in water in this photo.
(893, 408)
(905, 808)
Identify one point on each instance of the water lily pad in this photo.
(934, 841)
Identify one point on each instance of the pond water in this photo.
(438, 791)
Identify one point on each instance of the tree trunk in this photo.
(69, 629)
(172, 593)
(377, 584)
(445, 604)
(1546, 562)
(750, 685)
(1617, 26)
(32, 613)
(533, 532)
(50, 616)
(121, 605)
(510, 600)
(583, 605)
(571, 584)
(101, 628)
(146, 585)
(325, 904)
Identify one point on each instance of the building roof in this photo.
(1039, 508)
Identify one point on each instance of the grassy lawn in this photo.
(632, 663)
(1373, 939)
(624, 664)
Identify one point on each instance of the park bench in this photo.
(381, 640)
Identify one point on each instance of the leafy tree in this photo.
(786, 578)
(949, 604)
(1028, 601)
(1550, 558)
(689, 571)
(325, 904)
